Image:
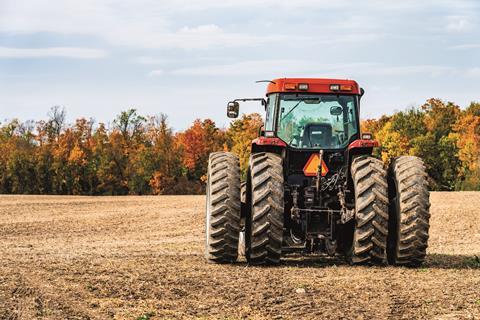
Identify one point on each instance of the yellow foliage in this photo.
(392, 143)
(468, 140)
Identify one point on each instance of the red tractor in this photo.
(313, 186)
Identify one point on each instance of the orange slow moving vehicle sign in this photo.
(311, 168)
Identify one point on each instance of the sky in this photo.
(188, 58)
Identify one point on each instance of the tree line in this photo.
(143, 155)
(446, 137)
(135, 155)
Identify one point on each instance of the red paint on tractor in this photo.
(314, 86)
(264, 141)
(363, 144)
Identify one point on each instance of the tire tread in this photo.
(224, 187)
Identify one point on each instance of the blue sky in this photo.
(188, 58)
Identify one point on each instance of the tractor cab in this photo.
(309, 113)
(306, 116)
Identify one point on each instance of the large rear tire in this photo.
(222, 225)
(264, 225)
(371, 212)
(409, 212)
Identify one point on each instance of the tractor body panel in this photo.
(314, 85)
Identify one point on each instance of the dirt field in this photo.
(142, 258)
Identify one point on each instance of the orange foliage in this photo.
(197, 142)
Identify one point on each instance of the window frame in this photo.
(275, 112)
(356, 106)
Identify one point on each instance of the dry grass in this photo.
(142, 258)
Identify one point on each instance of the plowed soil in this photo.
(142, 258)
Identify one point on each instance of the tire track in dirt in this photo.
(398, 304)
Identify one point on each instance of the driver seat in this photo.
(317, 135)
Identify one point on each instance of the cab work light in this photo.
(343, 87)
(303, 86)
(290, 86)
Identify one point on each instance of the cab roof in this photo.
(313, 85)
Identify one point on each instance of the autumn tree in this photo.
(126, 145)
(467, 135)
(164, 164)
(240, 135)
(17, 161)
(196, 143)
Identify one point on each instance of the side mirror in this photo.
(233, 108)
(336, 110)
(264, 104)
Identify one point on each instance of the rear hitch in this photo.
(345, 214)
(295, 211)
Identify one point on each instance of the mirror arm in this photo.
(233, 106)
(264, 102)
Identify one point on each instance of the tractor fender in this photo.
(362, 143)
(268, 144)
(269, 141)
(359, 147)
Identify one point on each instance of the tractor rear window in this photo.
(317, 121)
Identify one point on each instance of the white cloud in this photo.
(157, 72)
(466, 46)
(140, 24)
(473, 72)
(322, 4)
(457, 24)
(290, 68)
(253, 67)
(154, 24)
(428, 70)
(64, 52)
(201, 37)
(148, 60)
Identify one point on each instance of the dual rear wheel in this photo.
(391, 212)
(397, 233)
(409, 212)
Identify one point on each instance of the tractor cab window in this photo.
(316, 120)
(270, 112)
